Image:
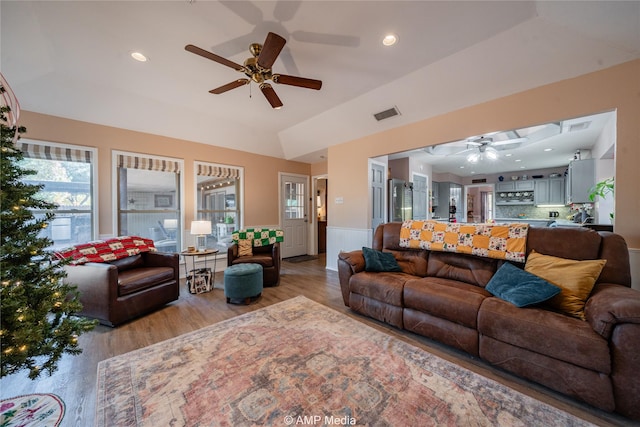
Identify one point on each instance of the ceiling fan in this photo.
(258, 69)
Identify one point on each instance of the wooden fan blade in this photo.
(297, 81)
(212, 56)
(229, 86)
(271, 48)
(271, 95)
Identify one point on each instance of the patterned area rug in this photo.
(32, 410)
(299, 362)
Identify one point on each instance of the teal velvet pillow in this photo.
(520, 287)
(379, 261)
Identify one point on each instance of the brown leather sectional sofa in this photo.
(442, 296)
(117, 291)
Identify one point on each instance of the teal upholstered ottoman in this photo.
(243, 282)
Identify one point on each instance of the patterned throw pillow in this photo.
(244, 247)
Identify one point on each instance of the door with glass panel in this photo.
(294, 215)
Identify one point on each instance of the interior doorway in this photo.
(479, 203)
(321, 187)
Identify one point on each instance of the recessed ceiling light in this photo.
(138, 56)
(390, 40)
(548, 149)
(508, 155)
(518, 160)
(461, 167)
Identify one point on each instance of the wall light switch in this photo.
(339, 200)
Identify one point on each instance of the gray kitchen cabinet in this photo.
(581, 178)
(549, 191)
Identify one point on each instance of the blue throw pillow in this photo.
(520, 287)
(379, 261)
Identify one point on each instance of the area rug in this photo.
(299, 362)
(32, 410)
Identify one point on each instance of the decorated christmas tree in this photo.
(38, 324)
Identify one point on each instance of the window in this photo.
(67, 173)
(148, 199)
(219, 200)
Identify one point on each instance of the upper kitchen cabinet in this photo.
(549, 191)
(515, 186)
(581, 178)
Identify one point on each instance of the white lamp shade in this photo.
(200, 227)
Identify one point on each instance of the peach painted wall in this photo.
(319, 168)
(260, 172)
(615, 88)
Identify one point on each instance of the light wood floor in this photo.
(75, 380)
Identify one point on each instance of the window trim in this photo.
(95, 189)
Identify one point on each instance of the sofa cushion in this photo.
(412, 262)
(464, 268)
(128, 263)
(384, 286)
(520, 287)
(542, 331)
(445, 298)
(377, 261)
(137, 279)
(575, 278)
(262, 258)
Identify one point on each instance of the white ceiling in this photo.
(72, 59)
(550, 145)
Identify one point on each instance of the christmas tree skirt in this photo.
(31, 410)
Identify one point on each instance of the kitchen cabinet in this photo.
(515, 186)
(549, 191)
(581, 177)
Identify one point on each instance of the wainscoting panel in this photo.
(345, 239)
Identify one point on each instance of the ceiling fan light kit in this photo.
(258, 69)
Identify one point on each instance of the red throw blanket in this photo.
(106, 250)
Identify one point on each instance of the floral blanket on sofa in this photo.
(499, 241)
(106, 250)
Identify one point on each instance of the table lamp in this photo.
(201, 229)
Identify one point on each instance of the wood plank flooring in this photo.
(75, 380)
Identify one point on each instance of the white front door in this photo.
(294, 217)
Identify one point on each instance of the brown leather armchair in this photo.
(267, 256)
(117, 291)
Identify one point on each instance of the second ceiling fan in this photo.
(258, 69)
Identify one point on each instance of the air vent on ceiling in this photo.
(387, 113)
(579, 126)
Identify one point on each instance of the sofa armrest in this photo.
(275, 253)
(610, 305)
(349, 263)
(232, 253)
(97, 285)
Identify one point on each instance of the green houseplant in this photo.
(601, 189)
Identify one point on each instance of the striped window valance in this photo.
(218, 171)
(148, 163)
(43, 151)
